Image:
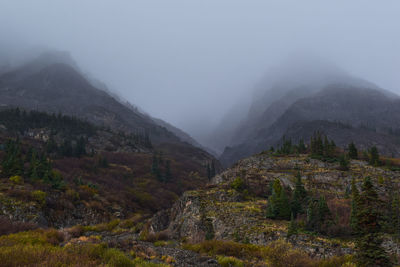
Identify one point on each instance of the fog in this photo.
(188, 62)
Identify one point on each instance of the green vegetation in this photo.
(278, 203)
(39, 165)
(353, 153)
(277, 254)
(41, 248)
(210, 170)
(19, 121)
(374, 156)
(368, 245)
(160, 168)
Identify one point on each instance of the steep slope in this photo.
(365, 116)
(298, 93)
(53, 83)
(60, 88)
(234, 209)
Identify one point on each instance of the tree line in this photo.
(34, 165)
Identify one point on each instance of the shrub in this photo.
(39, 196)
(7, 226)
(37, 248)
(229, 262)
(238, 184)
(16, 179)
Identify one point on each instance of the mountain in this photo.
(309, 98)
(53, 83)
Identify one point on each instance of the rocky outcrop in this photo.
(223, 213)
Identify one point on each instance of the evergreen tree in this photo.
(208, 172)
(147, 142)
(395, 215)
(154, 166)
(368, 246)
(278, 206)
(343, 163)
(318, 214)
(212, 169)
(33, 166)
(168, 175)
(299, 195)
(283, 206)
(354, 207)
(273, 200)
(353, 153)
(51, 146)
(287, 147)
(301, 147)
(66, 148)
(80, 148)
(13, 163)
(292, 229)
(374, 156)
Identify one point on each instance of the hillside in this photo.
(230, 223)
(368, 116)
(53, 83)
(68, 171)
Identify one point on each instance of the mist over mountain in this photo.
(53, 82)
(199, 133)
(310, 90)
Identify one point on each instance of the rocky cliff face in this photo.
(224, 213)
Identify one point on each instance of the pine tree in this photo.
(318, 214)
(323, 210)
(80, 148)
(168, 175)
(369, 251)
(208, 172)
(212, 169)
(292, 229)
(283, 206)
(273, 201)
(343, 163)
(13, 163)
(66, 148)
(33, 166)
(374, 156)
(395, 215)
(301, 147)
(278, 206)
(299, 195)
(272, 210)
(353, 153)
(354, 207)
(155, 170)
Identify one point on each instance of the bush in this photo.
(229, 262)
(16, 179)
(39, 196)
(37, 248)
(238, 184)
(7, 226)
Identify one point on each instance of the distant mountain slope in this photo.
(52, 83)
(296, 109)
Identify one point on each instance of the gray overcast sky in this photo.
(188, 61)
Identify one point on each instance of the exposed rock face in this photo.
(220, 212)
(47, 215)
